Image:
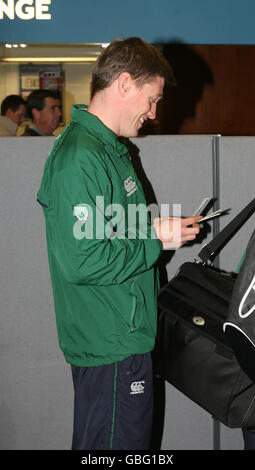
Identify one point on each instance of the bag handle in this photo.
(211, 249)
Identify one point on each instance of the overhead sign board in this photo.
(161, 21)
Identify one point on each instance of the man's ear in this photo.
(35, 114)
(124, 83)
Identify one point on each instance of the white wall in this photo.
(77, 78)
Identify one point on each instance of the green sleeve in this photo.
(91, 259)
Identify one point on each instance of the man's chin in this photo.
(129, 135)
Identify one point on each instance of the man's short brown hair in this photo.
(141, 60)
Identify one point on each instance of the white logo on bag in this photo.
(130, 186)
(137, 387)
(250, 288)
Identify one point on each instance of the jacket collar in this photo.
(96, 128)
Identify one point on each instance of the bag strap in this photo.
(211, 249)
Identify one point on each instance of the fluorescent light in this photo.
(48, 59)
(15, 45)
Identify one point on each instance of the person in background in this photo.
(13, 113)
(43, 108)
(105, 284)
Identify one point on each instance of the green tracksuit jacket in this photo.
(104, 286)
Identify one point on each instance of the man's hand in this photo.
(174, 232)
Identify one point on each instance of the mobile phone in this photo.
(210, 216)
(201, 205)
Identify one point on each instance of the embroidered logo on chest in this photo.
(130, 186)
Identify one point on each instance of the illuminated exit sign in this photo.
(25, 9)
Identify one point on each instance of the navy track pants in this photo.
(113, 405)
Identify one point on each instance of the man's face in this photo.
(141, 105)
(17, 116)
(47, 119)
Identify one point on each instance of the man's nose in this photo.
(153, 111)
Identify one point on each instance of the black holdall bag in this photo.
(193, 353)
(240, 325)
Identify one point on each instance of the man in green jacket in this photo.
(102, 262)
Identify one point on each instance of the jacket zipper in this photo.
(133, 309)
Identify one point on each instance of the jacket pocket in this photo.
(137, 301)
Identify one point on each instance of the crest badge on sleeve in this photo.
(80, 211)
